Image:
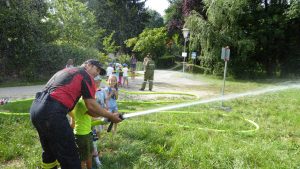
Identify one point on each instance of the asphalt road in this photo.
(164, 81)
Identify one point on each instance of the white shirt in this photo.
(125, 72)
(109, 70)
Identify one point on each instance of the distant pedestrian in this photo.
(133, 62)
(70, 63)
(109, 70)
(120, 83)
(146, 61)
(149, 73)
(125, 75)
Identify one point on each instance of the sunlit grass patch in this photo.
(199, 136)
(19, 141)
(21, 106)
(215, 121)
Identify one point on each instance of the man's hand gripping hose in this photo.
(111, 123)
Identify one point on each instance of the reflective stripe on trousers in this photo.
(50, 165)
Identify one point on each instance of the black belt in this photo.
(44, 96)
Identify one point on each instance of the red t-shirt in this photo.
(69, 84)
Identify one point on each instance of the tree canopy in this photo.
(38, 37)
(262, 36)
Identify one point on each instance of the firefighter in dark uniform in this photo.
(149, 73)
(50, 107)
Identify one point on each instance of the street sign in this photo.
(194, 54)
(184, 54)
(225, 53)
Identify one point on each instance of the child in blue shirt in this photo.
(101, 99)
(112, 96)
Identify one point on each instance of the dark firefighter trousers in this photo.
(56, 136)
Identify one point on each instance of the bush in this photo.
(165, 62)
(54, 57)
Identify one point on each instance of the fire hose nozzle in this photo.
(111, 123)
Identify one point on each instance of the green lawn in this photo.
(201, 136)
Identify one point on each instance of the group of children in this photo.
(87, 129)
(120, 71)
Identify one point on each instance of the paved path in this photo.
(171, 81)
(164, 81)
(21, 92)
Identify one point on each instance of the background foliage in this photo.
(38, 37)
(263, 37)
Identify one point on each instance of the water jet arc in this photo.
(224, 98)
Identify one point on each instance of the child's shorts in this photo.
(85, 146)
(99, 128)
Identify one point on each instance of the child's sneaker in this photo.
(97, 161)
(95, 137)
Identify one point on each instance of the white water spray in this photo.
(224, 98)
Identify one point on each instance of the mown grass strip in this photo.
(145, 92)
(201, 128)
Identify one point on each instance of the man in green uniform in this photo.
(149, 73)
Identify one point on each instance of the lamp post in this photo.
(185, 33)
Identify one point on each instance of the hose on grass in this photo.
(158, 123)
(202, 128)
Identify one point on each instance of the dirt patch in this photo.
(13, 164)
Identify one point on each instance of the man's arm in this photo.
(95, 110)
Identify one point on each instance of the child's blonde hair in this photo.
(110, 77)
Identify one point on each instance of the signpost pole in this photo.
(184, 56)
(225, 54)
(224, 79)
(185, 33)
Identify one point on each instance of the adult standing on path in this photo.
(70, 63)
(149, 73)
(145, 61)
(50, 107)
(133, 66)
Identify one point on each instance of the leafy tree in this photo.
(197, 5)
(37, 35)
(294, 10)
(218, 30)
(22, 33)
(174, 46)
(109, 44)
(256, 31)
(290, 64)
(127, 18)
(150, 41)
(155, 19)
(75, 23)
(174, 17)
